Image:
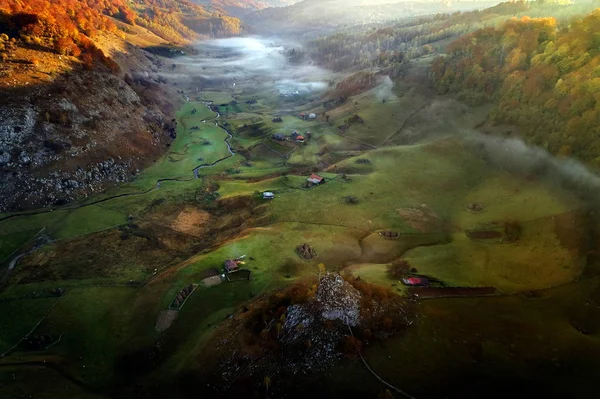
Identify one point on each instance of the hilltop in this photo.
(240, 8)
(311, 17)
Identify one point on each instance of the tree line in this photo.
(541, 76)
(390, 46)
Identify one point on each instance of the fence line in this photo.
(34, 327)
(401, 392)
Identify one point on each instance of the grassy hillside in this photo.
(411, 187)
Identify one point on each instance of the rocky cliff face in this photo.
(74, 137)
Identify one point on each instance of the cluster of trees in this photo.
(542, 77)
(354, 84)
(398, 269)
(391, 46)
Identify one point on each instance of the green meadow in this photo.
(176, 226)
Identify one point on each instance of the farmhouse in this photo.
(416, 281)
(279, 137)
(231, 265)
(300, 139)
(316, 179)
(310, 116)
(294, 135)
(268, 195)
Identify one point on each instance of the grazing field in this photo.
(402, 184)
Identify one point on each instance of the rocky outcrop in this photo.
(338, 300)
(322, 322)
(77, 136)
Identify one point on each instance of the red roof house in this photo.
(316, 179)
(415, 281)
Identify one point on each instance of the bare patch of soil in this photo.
(212, 281)
(165, 319)
(422, 218)
(190, 221)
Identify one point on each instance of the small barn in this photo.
(312, 116)
(316, 179)
(278, 137)
(416, 281)
(300, 139)
(294, 135)
(268, 195)
(231, 265)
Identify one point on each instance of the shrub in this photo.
(512, 231)
(398, 269)
(350, 345)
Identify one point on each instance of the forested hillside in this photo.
(389, 45)
(536, 61)
(66, 22)
(542, 76)
(83, 105)
(311, 17)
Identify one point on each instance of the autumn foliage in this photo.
(69, 27)
(383, 312)
(63, 26)
(540, 76)
(398, 269)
